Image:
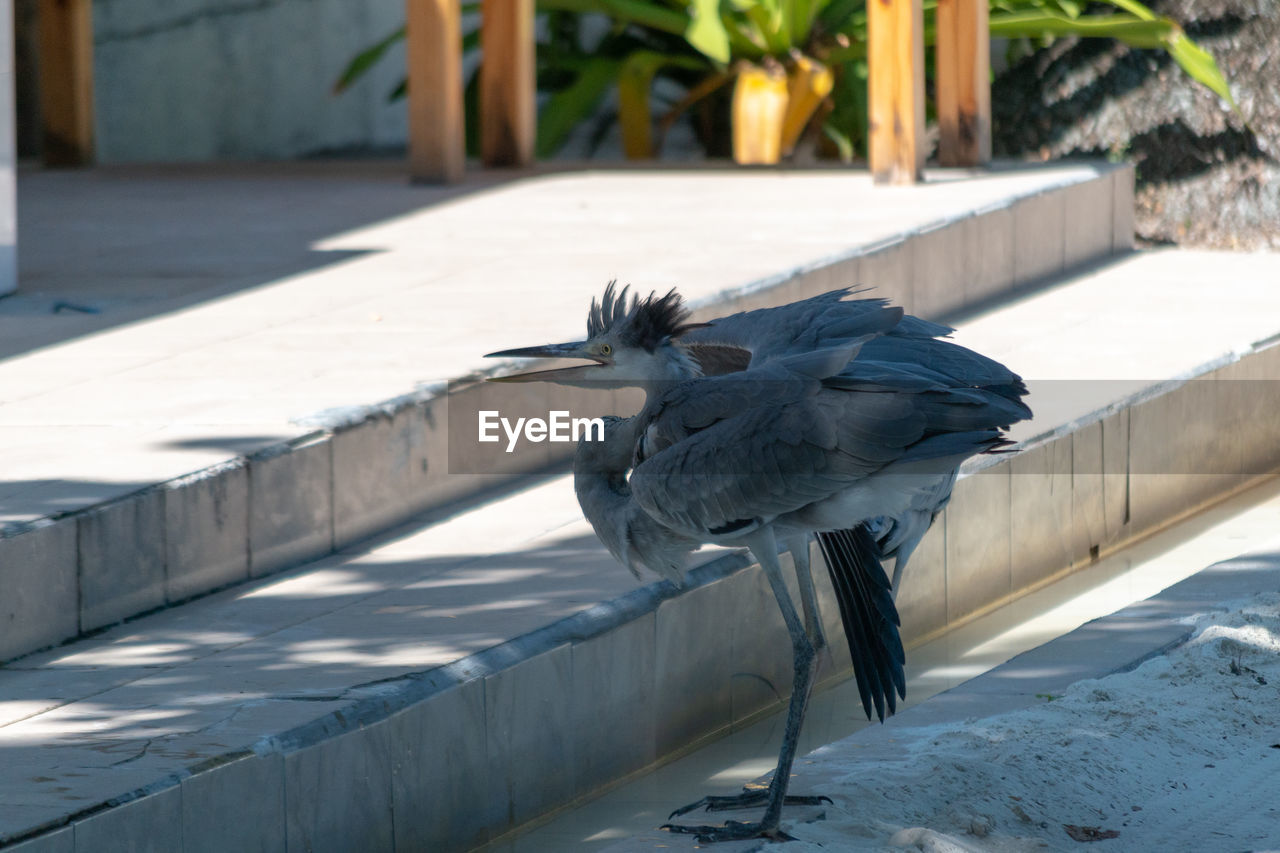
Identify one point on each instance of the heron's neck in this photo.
(600, 482)
(675, 365)
(609, 459)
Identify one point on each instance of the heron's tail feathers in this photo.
(869, 616)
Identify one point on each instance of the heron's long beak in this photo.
(576, 349)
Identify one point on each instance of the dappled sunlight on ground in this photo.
(320, 583)
(167, 691)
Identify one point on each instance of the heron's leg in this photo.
(799, 548)
(764, 547)
(899, 563)
(803, 657)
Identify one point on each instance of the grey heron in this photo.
(838, 417)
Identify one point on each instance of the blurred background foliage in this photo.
(670, 60)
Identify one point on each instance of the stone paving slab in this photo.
(363, 643)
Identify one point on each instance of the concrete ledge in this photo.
(206, 531)
(365, 469)
(1095, 485)
(290, 504)
(38, 573)
(122, 559)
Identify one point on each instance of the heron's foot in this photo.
(731, 830)
(749, 798)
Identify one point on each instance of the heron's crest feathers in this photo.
(641, 322)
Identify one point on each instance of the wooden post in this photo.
(508, 85)
(895, 60)
(963, 83)
(433, 49)
(66, 81)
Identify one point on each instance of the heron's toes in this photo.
(749, 798)
(807, 800)
(731, 830)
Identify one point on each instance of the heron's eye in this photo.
(605, 349)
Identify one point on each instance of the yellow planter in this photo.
(771, 108)
(759, 108)
(808, 84)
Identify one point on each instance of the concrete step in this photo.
(438, 687)
(275, 380)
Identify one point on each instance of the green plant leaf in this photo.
(367, 58)
(635, 81)
(844, 145)
(1137, 26)
(803, 14)
(745, 42)
(846, 125)
(787, 19)
(1200, 65)
(1133, 7)
(364, 60)
(1133, 31)
(706, 31)
(768, 21)
(837, 15)
(1071, 9)
(653, 15)
(574, 104)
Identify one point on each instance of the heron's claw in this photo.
(749, 798)
(732, 830)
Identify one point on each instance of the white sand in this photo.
(1181, 754)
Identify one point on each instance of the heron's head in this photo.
(630, 342)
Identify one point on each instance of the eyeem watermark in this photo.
(558, 426)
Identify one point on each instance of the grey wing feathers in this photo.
(725, 451)
(943, 362)
(837, 390)
(697, 404)
(761, 335)
(775, 458)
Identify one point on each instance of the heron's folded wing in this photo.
(697, 404)
(941, 361)
(752, 338)
(774, 458)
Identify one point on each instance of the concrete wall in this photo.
(241, 79)
(8, 155)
